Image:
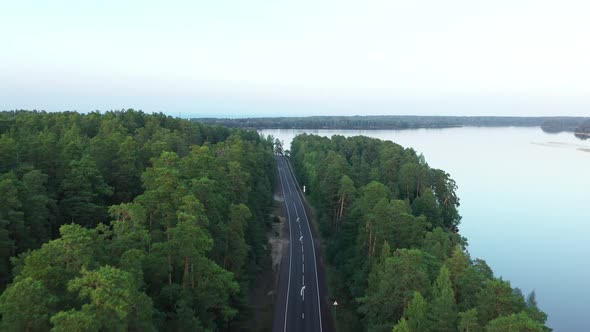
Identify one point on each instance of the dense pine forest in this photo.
(129, 221)
(396, 260)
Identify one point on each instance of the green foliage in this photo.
(37, 209)
(75, 321)
(457, 264)
(468, 321)
(236, 248)
(129, 229)
(533, 311)
(427, 205)
(11, 222)
(514, 323)
(389, 292)
(418, 314)
(443, 308)
(26, 306)
(189, 207)
(113, 298)
(83, 193)
(390, 224)
(402, 326)
(438, 243)
(8, 153)
(497, 299)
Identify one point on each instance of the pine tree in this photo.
(402, 326)
(26, 306)
(468, 321)
(418, 314)
(443, 308)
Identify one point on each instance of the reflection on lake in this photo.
(524, 202)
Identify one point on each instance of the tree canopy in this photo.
(391, 227)
(129, 221)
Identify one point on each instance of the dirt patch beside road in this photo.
(262, 295)
(278, 242)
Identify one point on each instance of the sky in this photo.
(236, 58)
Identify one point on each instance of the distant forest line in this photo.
(548, 124)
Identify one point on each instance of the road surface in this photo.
(298, 305)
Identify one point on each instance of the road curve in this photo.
(298, 304)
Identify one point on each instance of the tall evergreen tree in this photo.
(12, 228)
(418, 314)
(83, 193)
(26, 306)
(37, 209)
(443, 308)
(468, 321)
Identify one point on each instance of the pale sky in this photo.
(302, 57)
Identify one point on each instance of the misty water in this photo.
(524, 201)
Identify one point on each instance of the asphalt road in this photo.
(298, 305)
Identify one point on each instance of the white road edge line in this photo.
(288, 185)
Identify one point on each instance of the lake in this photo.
(524, 201)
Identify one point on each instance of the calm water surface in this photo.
(524, 201)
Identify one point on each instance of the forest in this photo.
(550, 124)
(583, 130)
(124, 221)
(390, 230)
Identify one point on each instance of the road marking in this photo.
(297, 213)
(303, 268)
(303, 279)
(313, 248)
(302, 315)
(288, 185)
(303, 292)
